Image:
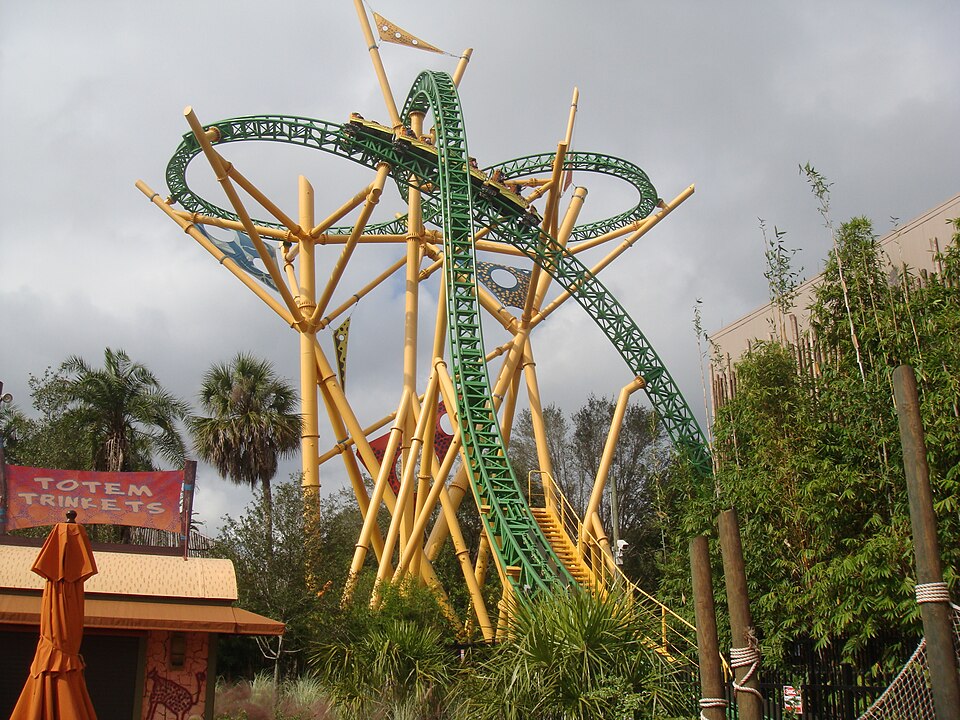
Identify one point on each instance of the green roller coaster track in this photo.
(455, 200)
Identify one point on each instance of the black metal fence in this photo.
(813, 684)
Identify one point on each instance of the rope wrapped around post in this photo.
(934, 592)
(748, 657)
(709, 703)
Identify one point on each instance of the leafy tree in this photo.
(810, 456)
(251, 423)
(125, 415)
(115, 418)
(272, 575)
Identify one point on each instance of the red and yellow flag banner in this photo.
(42, 496)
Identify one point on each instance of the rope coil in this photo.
(935, 592)
(708, 703)
(748, 657)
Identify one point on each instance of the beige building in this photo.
(914, 244)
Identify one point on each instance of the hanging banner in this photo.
(441, 442)
(341, 336)
(392, 33)
(41, 496)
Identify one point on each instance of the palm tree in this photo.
(127, 414)
(251, 423)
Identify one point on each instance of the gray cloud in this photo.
(732, 97)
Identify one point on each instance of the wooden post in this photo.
(713, 700)
(3, 485)
(744, 655)
(932, 592)
(189, 484)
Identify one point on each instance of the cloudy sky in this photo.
(731, 97)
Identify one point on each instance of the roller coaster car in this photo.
(406, 144)
(359, 124)
(493, 187)
(531, 218)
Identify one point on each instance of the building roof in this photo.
(138, 591)
(121, 573)
(136, 614)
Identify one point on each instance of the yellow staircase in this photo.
(563, 547)
(562, 528)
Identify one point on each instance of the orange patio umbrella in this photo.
(55, 689)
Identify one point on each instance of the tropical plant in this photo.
(575, 655)
(251, 424)
(394, 662)
(123, 409)
(809, 454)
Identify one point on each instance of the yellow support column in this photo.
(606, 460)
(378, 65)
(310, 429)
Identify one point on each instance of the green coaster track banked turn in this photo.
(456, 201)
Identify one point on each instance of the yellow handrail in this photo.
(604, 574)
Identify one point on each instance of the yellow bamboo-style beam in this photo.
(223, 178)
(372, 198)
(638, 228)
(428, 463)
(275, 233)
(461, 66)
(353, 469)
(609, 448)
(539, 280)
(556, 188)
(483, 558)
(410, 330)
(265, 202)
(406, 488)
(318, 232)
(370, 518)
(606, 552)
(539, 426)
(290, 272)
(378, 65)
(363, 292)
(310, 431)
(408, 551)
(329, 378)
(571, 118)
(463, 557)
(347, 442)
(507, 604)
(191, 229)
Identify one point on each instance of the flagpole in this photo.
(378, 65)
